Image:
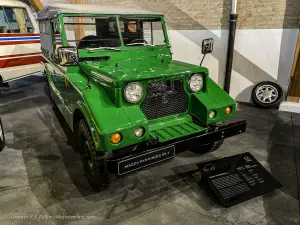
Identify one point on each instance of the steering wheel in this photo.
(90, 41)
(138, 41)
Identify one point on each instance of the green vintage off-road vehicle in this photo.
(111, 75)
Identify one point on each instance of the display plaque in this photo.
(237, 178)
(146, 159)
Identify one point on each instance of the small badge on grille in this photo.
(165, 99)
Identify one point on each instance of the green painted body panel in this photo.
(104, 107)
(173, 127)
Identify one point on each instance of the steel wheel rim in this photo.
(267, 94)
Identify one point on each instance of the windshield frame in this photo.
(122, 46)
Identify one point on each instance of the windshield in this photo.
(92, 32)
(142, 31)
(102, 32)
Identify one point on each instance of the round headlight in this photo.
(212, 114)
(133, 92)
(196, 83)
(139, 132)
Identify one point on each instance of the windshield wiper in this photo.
(144, 44)
(103, 48)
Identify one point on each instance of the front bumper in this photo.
(137, 154)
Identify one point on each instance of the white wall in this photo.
(260, 54)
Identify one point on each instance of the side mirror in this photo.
(2, 138)
(207, 46)
(67, 56)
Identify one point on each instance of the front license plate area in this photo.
(145, 159)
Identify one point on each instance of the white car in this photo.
(20, 46)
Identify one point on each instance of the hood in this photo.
(142, 69)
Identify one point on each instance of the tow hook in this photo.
(155, 140)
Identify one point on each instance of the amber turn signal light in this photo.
(115, 138)
(228, 110)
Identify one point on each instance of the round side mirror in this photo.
(2, 138)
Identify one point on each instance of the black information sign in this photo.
(237, 178)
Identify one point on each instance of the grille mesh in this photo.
(164, 99)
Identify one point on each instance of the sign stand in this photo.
(237, 178)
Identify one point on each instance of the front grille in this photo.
(164, 99)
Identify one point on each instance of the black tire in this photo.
(47, 91)
(272, 99)
(2, 136)
(3, 84)
(211, 147)
(94, 169)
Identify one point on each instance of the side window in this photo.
(56, 38)
(4, 28)
(56, 28)
(15, 20)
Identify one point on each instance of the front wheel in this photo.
(95, 169)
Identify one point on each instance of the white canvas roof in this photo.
(53, 10)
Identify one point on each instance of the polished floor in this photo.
(41, 175)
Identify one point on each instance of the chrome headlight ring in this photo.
(133, 92)
(196, 83)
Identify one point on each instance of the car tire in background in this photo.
(267, 95)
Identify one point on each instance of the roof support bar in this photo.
(79, 29)
(37, 5)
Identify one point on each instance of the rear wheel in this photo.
(95, 169)
(48, 93)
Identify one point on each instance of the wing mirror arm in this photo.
(68, 56)
(207, 47)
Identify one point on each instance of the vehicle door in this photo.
(58, 73)
(19, 42)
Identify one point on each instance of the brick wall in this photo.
(213, 14)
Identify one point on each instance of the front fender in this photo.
(82, 107)
(215, 98)
(105, 119)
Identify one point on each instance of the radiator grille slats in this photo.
(164, 99)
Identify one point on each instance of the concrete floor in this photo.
(41, 175)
